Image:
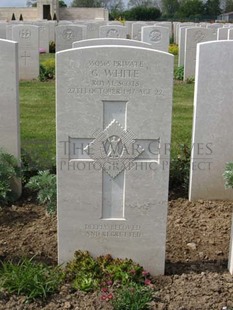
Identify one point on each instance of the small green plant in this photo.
(173, 49)
(179, 73)
(88, 273)
(47, 70)
(45, 185)
(30, 279)
(180, 169)
(190, 80)
(133, 297)
(84, 271)
(9, 171)
(52, 47)
(228, 175)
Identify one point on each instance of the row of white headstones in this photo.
(114, 108)
(187, 35)
(32, 38)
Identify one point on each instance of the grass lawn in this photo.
(37, 106)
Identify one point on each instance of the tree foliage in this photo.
(86, 3)
(170, 7)
(228, 6)
(212, 8)
(62, 4)
(142, 3)
(191, 8)
(31, 3)
(142, 13)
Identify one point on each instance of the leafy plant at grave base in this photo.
(180, 168)
(47, 70)
(190, 80)
(228, 175)
(31, 279)
(133, 297)
(103, 272)
(179, 73)
(45, 185)
(9, 170)
(173, 49)
(84, 271)
(52, 47)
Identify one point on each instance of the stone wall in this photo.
(27, 13)
(64, 13)
(82, 13)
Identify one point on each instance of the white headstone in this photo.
(105, 41)
(136, 30)
(9, 28)
(222, 33)
(92, 30)
(67, 34)
(179, 26)
(28, 38)
(9, 103)
(3, 30)
(43, 36)
(230, 34)
(167, 25)
(112, 31)
(128, 25)
(193, 36)
(52, 25)
(157, 36)
(182, 44)
(230, 262)
(113, 116)
(212, 122)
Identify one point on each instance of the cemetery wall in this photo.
(64, 13)
(27, 13)
(82, 13)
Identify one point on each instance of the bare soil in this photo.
(196, 261)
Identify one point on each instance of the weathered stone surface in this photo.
(113, 122)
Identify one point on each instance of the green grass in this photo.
(37, 105)
(30, 279)
(37, 119)
(182, 115)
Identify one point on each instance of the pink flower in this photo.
(110, 296)
(145, 273)
(132, 271)
(147, 282)
(109, 283)
(104, 289)
(103, 297)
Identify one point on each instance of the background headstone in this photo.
(230, 262)
(157, 36)
(112, 31)
(193, 36)
(230, 34)
(67, 34)
(212, 142)
(28, 38)
(222, 33)
(9, 103)
(3, 30)
(136, 30)
(105, 41)
(111, 200)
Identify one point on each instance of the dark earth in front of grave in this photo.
(196, 260)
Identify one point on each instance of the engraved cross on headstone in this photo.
(25, 56)
(114, 148)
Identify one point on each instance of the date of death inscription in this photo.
(107, 78)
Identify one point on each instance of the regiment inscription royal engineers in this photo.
(113, 130)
